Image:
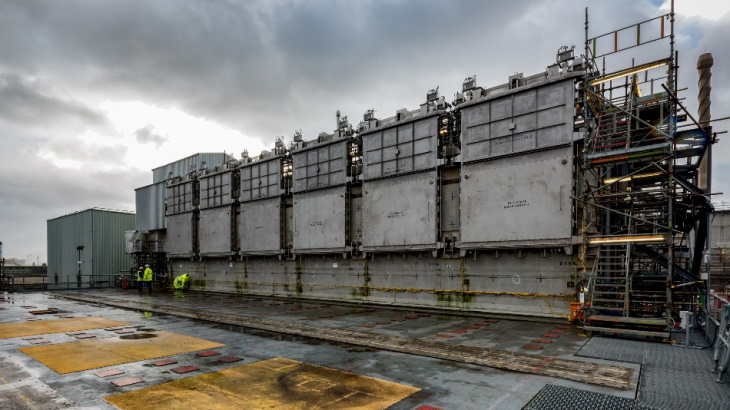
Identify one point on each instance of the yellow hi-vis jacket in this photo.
(147, 275)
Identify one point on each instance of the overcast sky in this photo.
(94, 94)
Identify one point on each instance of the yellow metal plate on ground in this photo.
(9, 330)
(93, 354)
(275, 383)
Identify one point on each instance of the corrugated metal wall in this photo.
(182, 166)
(150, 206)
(101, 233)
(721, 229)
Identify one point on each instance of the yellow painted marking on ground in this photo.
(93, 354)
(9, 330)
(275, 383)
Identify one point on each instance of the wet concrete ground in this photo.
(445, 384)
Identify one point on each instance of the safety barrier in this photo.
(719, 313)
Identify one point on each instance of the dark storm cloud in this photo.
(146, 135)
(26, 102)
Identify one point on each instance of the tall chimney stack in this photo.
(704, 67)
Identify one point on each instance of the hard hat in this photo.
(146, 266)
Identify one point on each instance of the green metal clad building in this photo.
(86, 248)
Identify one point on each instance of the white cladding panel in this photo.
(534, 118)
(260, 227)
(150, 207)
(400, 213)
(521, 200)
(320, 221)
(214, 230)
(180, 235)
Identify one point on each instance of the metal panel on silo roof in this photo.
(183, 166)
(320, 221)
(261, 179)
(180, 196)
(260, 227)
(400, 213)
(150, 207)
(216, 189)
(214, 231)
(321, 166)
(518, 201)
(404, 147)
(520, 120)
(180, 240)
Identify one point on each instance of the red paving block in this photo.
(546, 341)
(326, 316)
(412, 317)
(127, 382)
(398, 320)
(458, 331)
(383, 323)
(311, 307)
(532, 347)
(557, 331)
(471, 327)
(368, 326)
(565, 327)
(443, 336)
(280, 311)
(230, 359)
(184, 369)
(32, 319)
(295, 310)
(33, 338)
(427, 407)
(491, 320)
(38, 342)
(208, 353)
(111, 329)
(107, 373)
(307, 318)
(483, 324)
(84, 336)
(341, 314)
(163, 362)
(553, 335)
(124, 332)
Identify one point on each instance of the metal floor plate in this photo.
(672, 377)
(93, 354)
(8, 330)
(553, 397)
(275, 383)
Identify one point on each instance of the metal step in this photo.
(628, 320)
(630, 332)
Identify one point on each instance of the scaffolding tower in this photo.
(644, 221)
